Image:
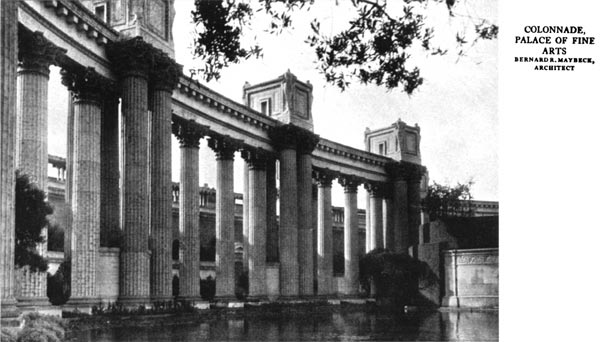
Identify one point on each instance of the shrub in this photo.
(8, 335)
(207, 288)
(40, 328)
(59, 284)
(241, 287)
(397, 276)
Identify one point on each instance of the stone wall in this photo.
(108, 274)
(471, 277)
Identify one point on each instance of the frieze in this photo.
(477, 259)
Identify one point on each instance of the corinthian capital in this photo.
(324, 177)
(36, 53)
(350, 183)
(188, 132)
(406, 171)
(131, 56)
(85, 83)
(165, 72)
(256, 158)
(290, 136)
(224, 146)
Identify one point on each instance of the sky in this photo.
(456, 107)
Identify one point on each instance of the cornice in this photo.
(76, 14)
(201, 93)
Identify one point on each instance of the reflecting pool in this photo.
(330, 326)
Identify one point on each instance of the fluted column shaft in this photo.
(350, 238)
(86, 200)
(161, 206)
(36, 55)
(400, 216)
(110, 222)
(8, 118)
(69, 182)
(368, 222)
(257, 233)
(272, 226)
(134, 282)
(245, 214)
(388, 223)
(376, 218)
(224, 219)
(324, 238)
(305, 216)
(414, 209)
(288, 227)
(189, 218)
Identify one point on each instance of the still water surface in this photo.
(352, 326)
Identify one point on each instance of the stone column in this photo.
(189, 211)
(36, 54)
(414, 204)
(131, 60)
(350, 185)
(388, 220)
(257, 224)
(324, 234)
(164, 76)
(284, 139)
(69, 180)
(224, 148)
(245, 214)
(397, 172)
(8, 82)
(272, 225)
(375, 216)
(367, 222)
(110, 202)
(306, 143)
(86, 85)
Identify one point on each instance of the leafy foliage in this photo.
(59, 284)
(56, 238)
(396, 275)
(39, 327)
(374, 48)
(30, 219)
(444, 201)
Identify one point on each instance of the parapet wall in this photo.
(471, 277)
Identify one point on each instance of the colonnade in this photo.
(135, 215)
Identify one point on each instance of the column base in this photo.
(257, 298)
(82, 305)
(9, 308)
(155, 299)
(37, 304)
(135, 302)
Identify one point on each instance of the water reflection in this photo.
(345, 326)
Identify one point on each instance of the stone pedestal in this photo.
(350, 185)
(224, 218)
(36, 54)
(8, 82)
(325, 283)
